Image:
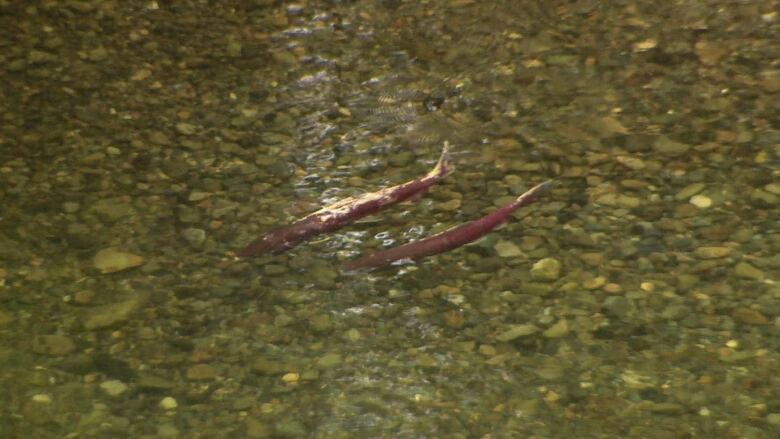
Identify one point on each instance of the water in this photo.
(143, 142)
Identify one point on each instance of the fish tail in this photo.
(443, 166)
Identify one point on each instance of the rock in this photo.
(712, 252)
(108, 315)
(6, 318)
(113, 387)
(153, 382)
(167, 430)
(749, 316)
(55, 345)
(265, 366)
(547, 269)
(185, 128)
(113, 209)
(594, 283)
(449, 206)
(689, 191)
(257, 429)
(110, 260)
(764, 198)
(667, 146)
(168, 403)
(195, 237)
(329, 360)
(701, 201)
(747, 271)
(201, 372)
(516, 331)
(619, 306)
(558, 330)
(507, 249)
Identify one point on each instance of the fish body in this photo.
(345, 211)
(450, 238)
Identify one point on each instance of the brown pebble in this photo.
(749, 316)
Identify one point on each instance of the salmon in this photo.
(451, 238)
(345, 211)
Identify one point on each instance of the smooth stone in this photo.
(559, 329)
(701, 201)
(108, 315)
(667, 146)
(168, 403)
(449, 206)
(113, 209)
(749, 316)
(764, 197)
(773, 188)
(747, 271)
(507, 249)
(167, 430)
(194, 236)
(516, 331)
(55, 345)
(689, 191)
(110, 260)
(201, 372)
(547, 269)
(618, 306)
(185, 128)
(329, 360)
(6, 318)
(113, 387)
(594, 283)
(712, 252)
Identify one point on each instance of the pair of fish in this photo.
(345, 211)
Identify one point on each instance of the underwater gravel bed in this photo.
(143, 143)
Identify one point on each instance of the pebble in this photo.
(168, 403)
(487, 350)
(41, 398)
(773, 188)
(667, 146)
(619, 306)
(747, 271)
(110, 260)
(749, 316)
(6, 319)
(689, 191)
(185, 128)
(712, 252)
(559, 329)
(516, 331)
(594, 283)
(352, 335)
(55, 345)
(111, 314)
(291, 377)
(548, 269)
(701, 201)
(329, 360)
(167, 430)
(194, 236)
(764, 197)
(593, 259)
(449, 206)
(201, 372)
(113, 387)
(507, 249)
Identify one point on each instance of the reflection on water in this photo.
(142, 142)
